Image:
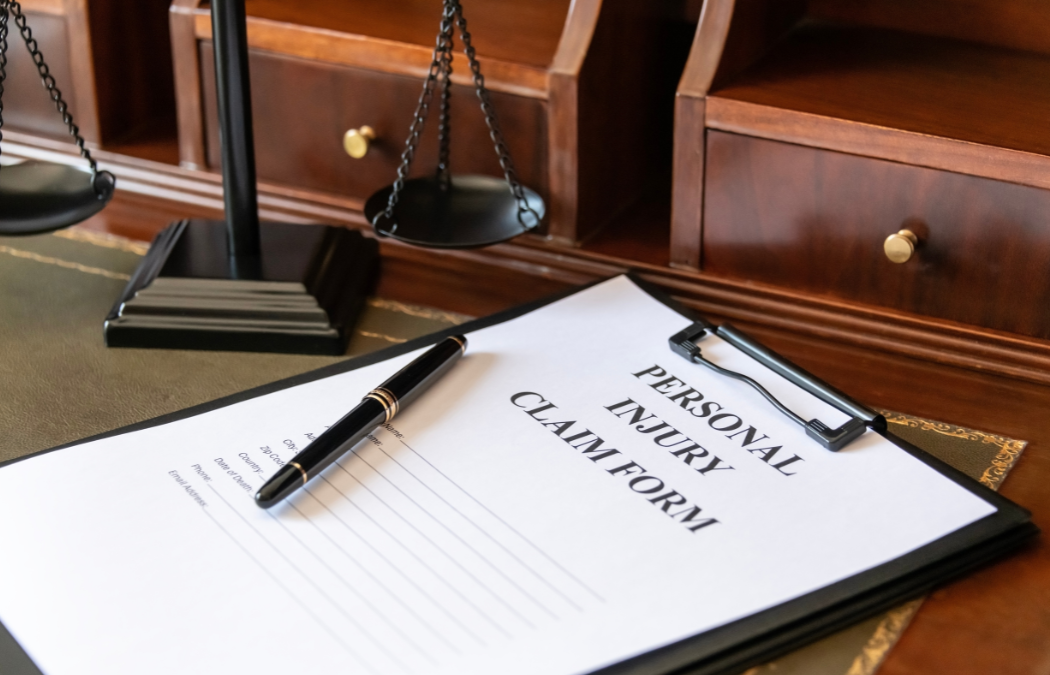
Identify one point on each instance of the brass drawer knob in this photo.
(356, 141)
(900, 247)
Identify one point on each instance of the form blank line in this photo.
(271, 545)
(412, 553)
(376, 581)
(484, 531)
(459, 538)
(387, 560)
(357, 593)
(283, 587)
(451, 559)
(509, 526)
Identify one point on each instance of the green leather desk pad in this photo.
(59, 383)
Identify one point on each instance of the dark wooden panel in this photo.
(131, 51)
(111, 60)
(815, 220)
(301, 110)
(27, 106)
(1017, 24)
(626, 109)
(780, 307)
(687, 200)
(523, 32)
(140, 218)
(756, 26)
(906, 81)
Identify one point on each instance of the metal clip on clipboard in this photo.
(684, 343)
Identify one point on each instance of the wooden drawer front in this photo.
(815, 221)
(27, 105)
(302, 109)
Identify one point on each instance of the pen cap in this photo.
(413, 379)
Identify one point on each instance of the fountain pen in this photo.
(377, 407)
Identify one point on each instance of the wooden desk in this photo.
(995, 621)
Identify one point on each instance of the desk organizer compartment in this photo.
(582, 89)
(808, 132)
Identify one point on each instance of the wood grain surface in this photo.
(299, 134)
(27, 106)
(687, 201)
(129, 67)
(111, 61)
(1015, 24)
(533, 258)
(730, 36)
(930, 101)
(584, 92)
(784, 214)
(898, 80)
(521, 32)
(351, 49)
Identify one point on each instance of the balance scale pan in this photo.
(475, 211)
(37, 197)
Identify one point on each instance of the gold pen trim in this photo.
(386, 399)
(396, 404)
(305, 477)
(461, 341)
(382, 401)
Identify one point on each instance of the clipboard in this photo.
(761, 636)
(685, 344)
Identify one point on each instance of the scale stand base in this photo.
(302, 298)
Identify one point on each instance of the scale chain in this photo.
(46, 78)
(502, 152)
(3, 64)
(441, 67)
(445, 120)
(444, 45)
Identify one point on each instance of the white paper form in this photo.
(571, 494)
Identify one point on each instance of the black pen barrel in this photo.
(379, 406)
(416, 377)
(283, 483)
(340, 437)
(321, 452)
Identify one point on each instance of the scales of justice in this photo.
(249, 285)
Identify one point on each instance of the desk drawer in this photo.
(302, 109)
(815, 220)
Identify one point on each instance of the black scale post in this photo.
(242, 284)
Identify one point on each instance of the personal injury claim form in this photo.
(570, 495)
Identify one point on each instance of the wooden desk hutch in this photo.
(804, 133)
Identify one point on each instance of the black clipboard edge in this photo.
(732, 648)
(861, 607)
(761, 637)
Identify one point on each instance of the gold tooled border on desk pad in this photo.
(895, 621)
(59, 262)
(420, 312)
(1009, 448)
(103, 239)
(882, 640)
